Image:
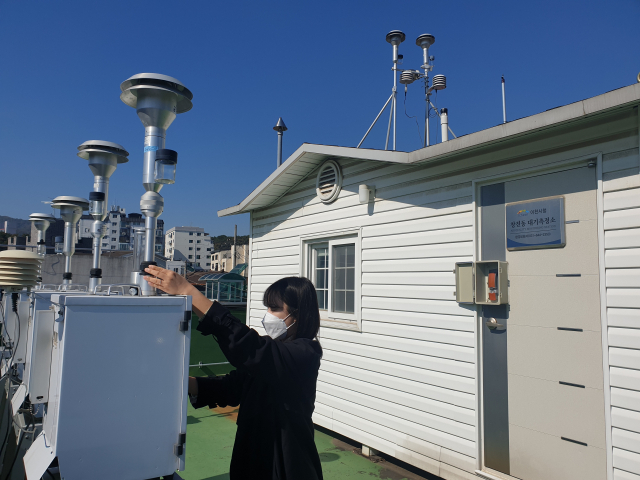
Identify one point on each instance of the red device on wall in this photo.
(492, 284)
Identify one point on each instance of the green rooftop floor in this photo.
(210, 433)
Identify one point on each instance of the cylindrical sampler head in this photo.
(103, 156)
(425, 40)
(157, 98)
(395, 37)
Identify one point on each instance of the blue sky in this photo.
(323, 66)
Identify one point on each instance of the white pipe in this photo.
(444, 124)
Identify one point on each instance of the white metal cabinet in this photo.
(118, 389)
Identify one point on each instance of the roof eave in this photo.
(310, 148)
(467, 143)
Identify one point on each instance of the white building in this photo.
(189, 244)
(223, 261)
(178, 266)
(546, 387)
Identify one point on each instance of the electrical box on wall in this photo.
(492, 282)
(482, 283)
(465, 287)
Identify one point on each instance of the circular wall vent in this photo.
(329, 181)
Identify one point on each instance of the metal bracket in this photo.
(178, 449)
(58, 310)
(184, 324)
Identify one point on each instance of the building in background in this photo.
(223, 261)
(120, 228)
(189, 244)
(178, 266)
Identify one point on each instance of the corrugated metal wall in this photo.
(621, 186)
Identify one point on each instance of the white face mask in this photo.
(275, 327)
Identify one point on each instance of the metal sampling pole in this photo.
(157, 99)
(71, 209)
(103, 158)
(424, 41)
(395, 38)
(41, 222)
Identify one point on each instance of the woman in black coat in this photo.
(275, 378)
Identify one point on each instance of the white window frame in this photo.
(328, 318)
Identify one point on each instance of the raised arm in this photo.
(174, 284)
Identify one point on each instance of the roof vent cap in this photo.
(329, 181)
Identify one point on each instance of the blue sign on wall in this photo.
(535, 224)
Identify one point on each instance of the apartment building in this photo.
(222, 261)
(190, 244)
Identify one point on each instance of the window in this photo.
(320, 273)
(113, 239)
(333, 265)
(113, 247)
(113, 232)
(114, 224)
(198, 256)
(190, 248)
(190, 256)
(197, 241)
(190, 233)
(208, 264)
(198, 249)
(190, 241)
(199, 234)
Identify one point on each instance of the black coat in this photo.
(275, 386)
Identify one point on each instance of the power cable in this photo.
(31, 422)
(414, 117)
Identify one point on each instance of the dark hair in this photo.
(300, 296)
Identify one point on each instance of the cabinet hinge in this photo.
(178, 448)
(184, 324)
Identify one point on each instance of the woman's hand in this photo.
(174, 284)
(168, 281)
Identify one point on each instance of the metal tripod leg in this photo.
(374, 122)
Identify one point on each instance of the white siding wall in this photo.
(405, 385)
(621, 185)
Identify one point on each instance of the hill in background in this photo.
(222, 242)
(23, 226)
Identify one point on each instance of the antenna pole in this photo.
(280, 128)
(395, 88)
(504, 104)
(279, 159)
